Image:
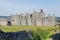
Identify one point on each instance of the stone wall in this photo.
(3, 22)
(34, 19)
(15, 20)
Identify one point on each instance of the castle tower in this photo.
(53, 20)
(33, 14)
(22, 20)
(42, 16)
(41, 10)
(28, 19)
(49, 19)
(49, 16)
(41, 13)
(34, 18)
(15, 20)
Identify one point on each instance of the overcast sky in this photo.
(8, 7)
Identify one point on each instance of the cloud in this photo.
(8, 7)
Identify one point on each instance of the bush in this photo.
(42, 34)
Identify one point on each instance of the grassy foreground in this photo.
(37, 32)
(21, 28)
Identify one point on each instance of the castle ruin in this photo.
(33, 19)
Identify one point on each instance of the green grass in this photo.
(21, 28)
(43, 32)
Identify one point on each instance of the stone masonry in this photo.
(33, 19)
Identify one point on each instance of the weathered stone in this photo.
(34, 19)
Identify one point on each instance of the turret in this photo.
(41, 13)
(27, 15)
(41, 10)
(34, 14)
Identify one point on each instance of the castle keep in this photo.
(33, 19)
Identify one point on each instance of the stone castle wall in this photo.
(33, 19)
(3, 22)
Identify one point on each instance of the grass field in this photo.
(21, 28)
(43, 32)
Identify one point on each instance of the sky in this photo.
(12, 7)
